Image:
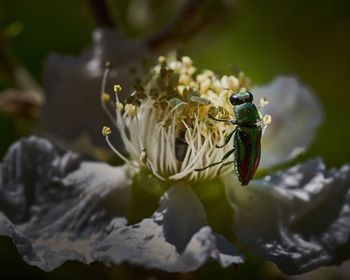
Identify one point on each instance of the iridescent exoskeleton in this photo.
(247, 137)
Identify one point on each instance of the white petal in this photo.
(57, 207)
(73, 85)
(298, 218)
(296, 114)
(175, 239)
(54, 205)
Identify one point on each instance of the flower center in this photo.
(165, 123)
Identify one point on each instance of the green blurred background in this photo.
(308, 39)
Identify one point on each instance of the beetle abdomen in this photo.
(248, 151)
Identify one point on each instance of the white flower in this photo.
(57, 206)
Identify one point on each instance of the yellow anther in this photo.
(267, 119)
(106, 131)
(117, 88)
(230, 82)
(209, 73)
(263, 102)
(205, 85)
(143, 157)
(216, 86)
(187, 61)
(176, 66)
(105, 97)
(184, 79)
(191, 70)
(242, 90)
(119, 106)
(161, 60)
(108, 65)
(130, 110)
(200, 78)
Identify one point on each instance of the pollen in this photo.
(230, 82)
(187, 61)
(105, 97)
(161, 60)
(267, 119)
(106, 131)
(185, 79)
(130, 110)
(117, 88)
(263, 102)
(119, 106)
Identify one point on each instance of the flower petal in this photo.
(298, 218)
(57, 207)
(54, 205)
(73, 85)
(296, 115)
(175, 239)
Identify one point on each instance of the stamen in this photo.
(242, 90)
(266, 121)
(117, 88)
(161, 60)
(119, 106)
(130, 110)
(187, 61)
(143, 157)
(105, 98)
(131, 163)
(263, 102)
(200, 100)
(170, 112)
(106, 131)
(198, 154)
(155, 173)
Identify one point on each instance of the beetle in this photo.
(247, 138)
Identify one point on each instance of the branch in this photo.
(194, 16)
(101, 13)
(172, 30)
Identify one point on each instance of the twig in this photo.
(101, 13)
(194, 16)
(172, 30)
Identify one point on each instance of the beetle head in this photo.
(240, 98)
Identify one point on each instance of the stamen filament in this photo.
(131, 163)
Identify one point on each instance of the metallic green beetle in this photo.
(246, 143)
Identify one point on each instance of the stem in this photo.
(101, 13)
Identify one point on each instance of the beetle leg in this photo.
(227, 163)
(225, 157)
(227, 139)
(219, 120)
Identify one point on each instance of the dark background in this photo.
(308, 39)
